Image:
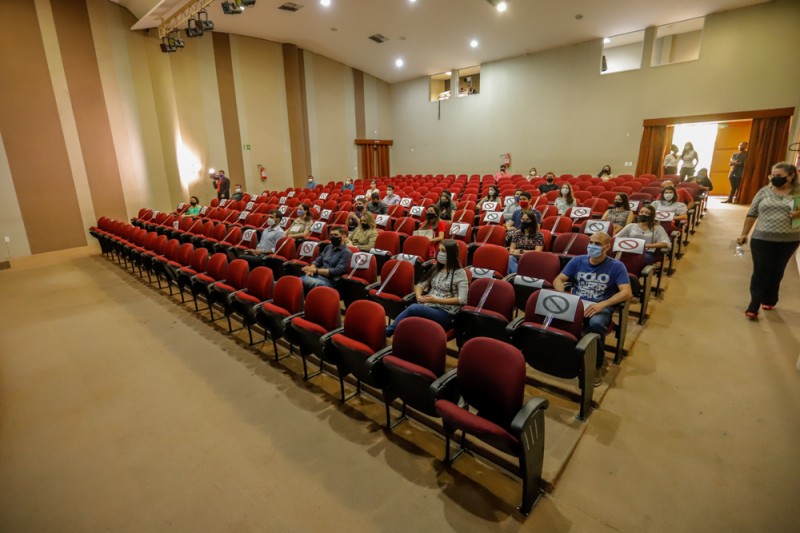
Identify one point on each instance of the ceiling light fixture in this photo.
(501, 7)
(448, 73)
(399, 62)
(325, 3)
(606, 40)
(474, 43)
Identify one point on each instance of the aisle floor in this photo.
(120, 410)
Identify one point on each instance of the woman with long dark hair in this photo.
(620, 213)
(774, 239)
(689, 158)
(566, 199)
(433, 228)
(441, 292)
(653, 233)
(525, 239)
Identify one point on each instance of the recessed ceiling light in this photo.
(474, 43)
(325, 3)
(399, 62)
(502, 6)
(448, 73)
(606, 40)
(413, 1)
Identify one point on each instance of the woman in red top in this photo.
(433, 228)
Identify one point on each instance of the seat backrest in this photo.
(217, 266)
(389, 241)
(199, 259)
(288, 294)
(322, 307)
(497, 295)
(171, 250)
(558, 224)
(259, 283)
(422, 342)
(491, 234)
(405, 225)
(541, 265)
(418, 245)
(285, 248)
(365, 322)
(492, 257)
(575, 327)
(402, 281)
(577, 243)
(237, 273)
(184, 255)
(491, 378)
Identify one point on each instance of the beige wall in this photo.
(555, 111)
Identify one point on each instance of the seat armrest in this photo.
(446, 386)
(410, 298)
(428, 264)
(514, 324)
(510, 278)
(586, 341)
(324, 339)
(371, 286)
(213, 284)
(525, 415)
(377, 358)
(258, 306)
(646, 271)
(288, 319)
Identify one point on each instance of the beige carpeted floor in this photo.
(120, 410)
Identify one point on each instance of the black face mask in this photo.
(193, 203)
(644, 218)
(526, 225)
(336, 241)
(779, 181)
(431, 216)
(617, 203)
(359, 208)
(549, 180)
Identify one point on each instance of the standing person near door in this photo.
(671, 161)
(774, 239)
(737, 167)
(222, 184)
(689, 158)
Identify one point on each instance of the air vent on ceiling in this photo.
(290, 7)
(378, 38)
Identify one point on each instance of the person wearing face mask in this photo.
(620, 213)
(441, 292)
(683, 194)
(373, 188)
(266, 244)
(513, 207)
(365, 234)
(524, 205)
(533, 173)
(433, 228)
(776, 236)
(194, 207)
(668, 201)
(502, 174)
(522, 240)
(602, 282)
(549, 183)
(689, 158)
(737, 168)
(237, 193)
(222, 184)
(310, 183)
(348, 186)
(330, 265)
(491, 196)
(301, 226)
(446, 206)
(565, 199)
(671, 161)
(653, 233)
(354, 218)
(391, 197)
(375, 206)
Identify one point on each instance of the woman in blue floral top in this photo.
(525, 239)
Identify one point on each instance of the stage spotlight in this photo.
(232, 8)
(167, 45)
(194, 29)
(202, 20)
(175, 36)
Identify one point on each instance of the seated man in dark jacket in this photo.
(330, 265)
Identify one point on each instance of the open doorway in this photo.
(702, 136)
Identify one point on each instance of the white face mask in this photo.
(441, 258)
(668, 196)
(238, 190)
(565, 191)
(270, 222)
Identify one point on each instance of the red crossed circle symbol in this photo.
(627, 244)
(308, 248)
(662, 215)
(361, 259)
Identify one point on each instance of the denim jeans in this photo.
(599, 324)
(513, 262)
(309, 282)
(440, 316)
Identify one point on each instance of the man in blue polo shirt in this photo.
(330, 265)
(599, 279)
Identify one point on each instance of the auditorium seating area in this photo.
(502, 358)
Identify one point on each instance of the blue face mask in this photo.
(300, 212)
(594, 250)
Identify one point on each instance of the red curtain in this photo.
(768, 140)
(374, 158)
(652, 150)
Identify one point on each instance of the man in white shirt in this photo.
(391, 198)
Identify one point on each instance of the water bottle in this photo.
(738, 251)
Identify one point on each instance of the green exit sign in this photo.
(246, 146)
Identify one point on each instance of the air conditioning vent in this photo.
(291, 7)
(378, 38)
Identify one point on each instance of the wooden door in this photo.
(729, 135)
